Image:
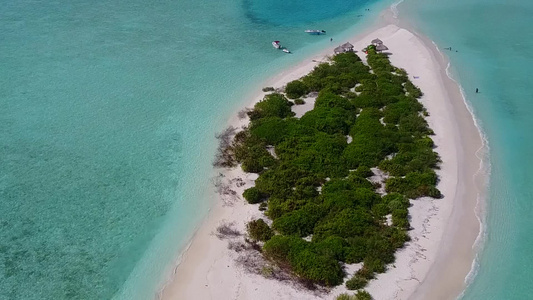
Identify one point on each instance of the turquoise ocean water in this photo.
(494, 40)
(108, 111)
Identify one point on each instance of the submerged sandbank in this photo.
(208, 268)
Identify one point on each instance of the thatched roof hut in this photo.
(376, 42)
(347, 47)
(381, 47)
(338, 50)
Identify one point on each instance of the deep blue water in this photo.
(108, 111)
(285, 13)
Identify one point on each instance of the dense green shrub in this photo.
(416, 156)
(328, 99)
(258, 230)
(372, 141)
(251, 152)
(356, 251)
(299, 101)
(272, 105)
(356, 282)
(404, 107)
(365, 273)
(306, 188)
(347, 223)
(379, 62)
(280, 180)
(318, 268)
(300, 222)
(363, 171)
(345, 297)
(251, 165)
(414, 124)
(400, 218)
(413, 90)
(281, 248)
(332, 246)
(305, 262)
(278, 206)
(296, 89)
(415, 185)
(270, 130)
(316, 183)
(395, 201)
(379, 247)
(362, 295)
(375, 265)
(253, 195)
(365, 151)
(359, 182)
(320, 153)
(328, 120)
(380, 210)
(397, 236)
(346, 70)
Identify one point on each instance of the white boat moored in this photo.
(315, 31)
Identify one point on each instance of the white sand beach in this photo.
(431, 266)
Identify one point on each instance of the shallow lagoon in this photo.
(108, 115)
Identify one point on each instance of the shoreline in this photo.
(464, 230)
(206, 268)
(455, 246)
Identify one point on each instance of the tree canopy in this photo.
(316, 185)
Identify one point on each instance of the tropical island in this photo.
(328, 184)
(321, 208)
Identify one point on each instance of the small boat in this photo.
(286, 50)
(276, 44)
(315, 31)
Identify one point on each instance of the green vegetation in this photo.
(415, 185)
(258, 230)
(361, 295)
(273, 105)
(296, 89)
(356, 282)
(345, 297)
(253, 195)
(305, 259)
(299, 101)
(316, 187)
